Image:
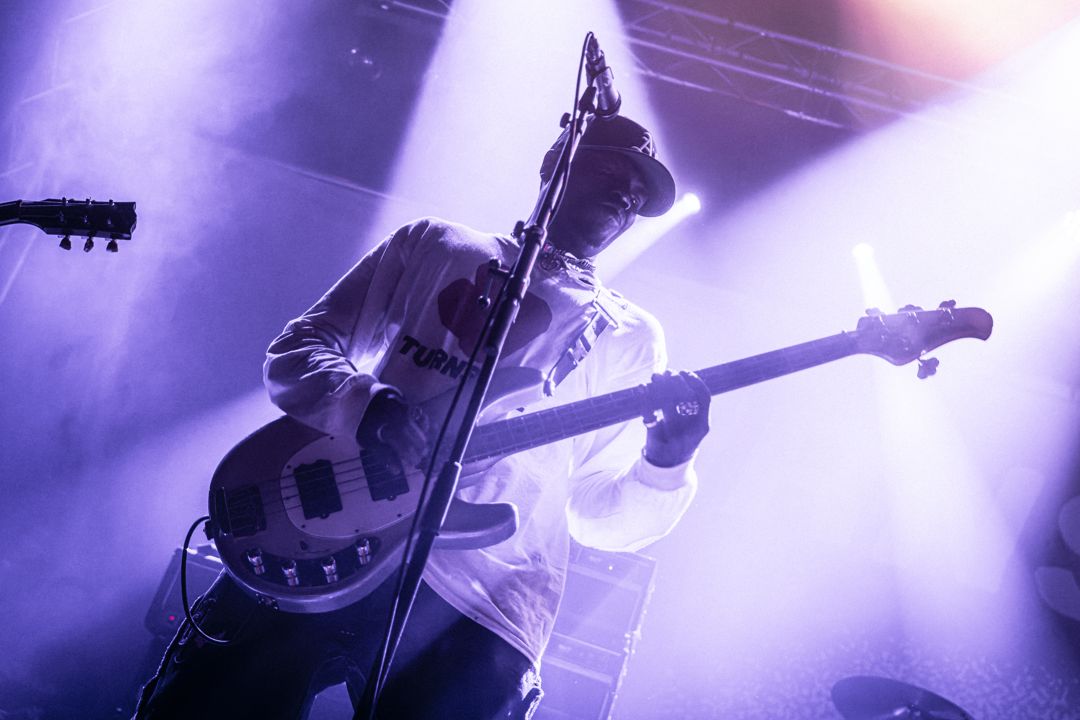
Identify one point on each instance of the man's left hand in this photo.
(682, 422)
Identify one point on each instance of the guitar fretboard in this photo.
(547, 426)
(777, 363)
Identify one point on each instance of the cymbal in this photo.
(865, 697)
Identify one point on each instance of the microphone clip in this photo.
(600, 77)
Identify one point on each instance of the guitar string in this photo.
(764, 366)
(586, 414)
(357, 475)
(589, 415)
(499, 433)
(583, 414)
(586, 421)
(510, 435)
(348, 477)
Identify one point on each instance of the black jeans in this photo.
(447, 666)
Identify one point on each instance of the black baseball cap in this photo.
(622, 135)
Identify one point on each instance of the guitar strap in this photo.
(607, 304)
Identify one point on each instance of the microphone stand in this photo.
(432, 515)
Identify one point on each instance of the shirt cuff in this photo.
(666, 478)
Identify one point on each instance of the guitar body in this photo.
(309, 522)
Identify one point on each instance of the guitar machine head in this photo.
(84, 218)
(912, 331)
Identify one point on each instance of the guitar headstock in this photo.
(65, 217)
(907, 334)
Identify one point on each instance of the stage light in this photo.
(476, 139)
(915, 32)
(692, 203)
(875, 292)
(1070, 227)
(645, 233)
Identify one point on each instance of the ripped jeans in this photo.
(446, 667)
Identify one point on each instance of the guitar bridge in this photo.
(239, 512)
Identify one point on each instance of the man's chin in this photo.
(594, 234)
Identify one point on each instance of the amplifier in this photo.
(598, 624)
(605, 597)
(575, 692)
(167, 608)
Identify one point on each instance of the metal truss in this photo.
(422, 9)
(804, 79)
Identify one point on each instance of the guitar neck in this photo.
(777, 363)
(558, 423)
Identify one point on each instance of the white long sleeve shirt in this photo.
(406, 316)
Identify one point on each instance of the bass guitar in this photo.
(308, 522)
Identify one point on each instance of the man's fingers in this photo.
(392, 422)
(698, 388)
(684, 402)
(683, 395)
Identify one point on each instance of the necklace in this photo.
(552, 259)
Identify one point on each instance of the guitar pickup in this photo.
(382, 469)
(317, 488)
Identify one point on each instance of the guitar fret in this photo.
(758, 368)
(553, 424)
(547, 426)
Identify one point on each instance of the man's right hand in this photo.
(390, 421)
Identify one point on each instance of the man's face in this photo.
(603, 193)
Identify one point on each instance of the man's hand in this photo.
(683, 421)
(389, 421)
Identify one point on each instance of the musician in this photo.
(396, 331)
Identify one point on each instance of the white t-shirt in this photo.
(406, 316)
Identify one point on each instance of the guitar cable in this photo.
(183, 585)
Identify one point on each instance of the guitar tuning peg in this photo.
(874, 312)
(947, 305)
(927, 367)
(909, 309)
(112, 246)
(88, 245)
(65, 242)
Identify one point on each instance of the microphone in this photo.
(608, 100)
